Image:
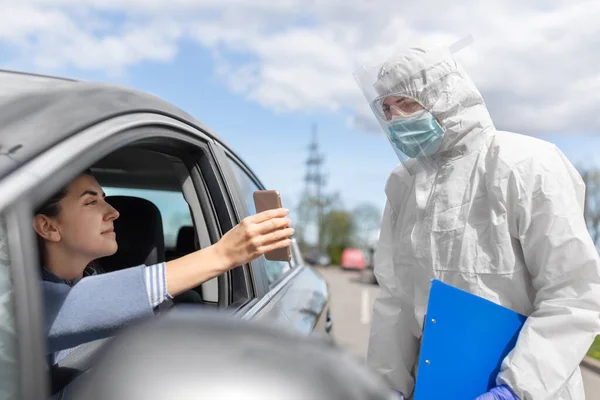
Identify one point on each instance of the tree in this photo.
(338, 233)
(328, 203)
(338, 229)
(367, 221)
(307, 211)
(592, 203)
(306, 214)
(591, 178)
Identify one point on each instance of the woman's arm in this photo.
(98, 305)
(253, 237)
(94, 308)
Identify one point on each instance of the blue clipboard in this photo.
(465, 339)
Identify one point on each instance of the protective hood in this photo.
(444, 89)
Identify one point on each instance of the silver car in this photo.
(138, 146)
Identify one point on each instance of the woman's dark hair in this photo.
(51, 208)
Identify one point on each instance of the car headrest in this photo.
(186, 240)
(139, 234)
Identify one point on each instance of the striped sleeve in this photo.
(156, 284)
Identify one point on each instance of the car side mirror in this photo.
(198, 354)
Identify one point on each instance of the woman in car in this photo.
(75, 227)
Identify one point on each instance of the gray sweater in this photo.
(96, 306)
(93, 307)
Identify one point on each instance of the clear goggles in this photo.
(396, 106)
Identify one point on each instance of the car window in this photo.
(8, 338)
(178, 230)
(274, 269)
(174, 210)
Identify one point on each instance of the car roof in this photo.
(59, 107)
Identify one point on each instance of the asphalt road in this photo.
(351, 305)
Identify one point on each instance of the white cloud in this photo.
(536, 63)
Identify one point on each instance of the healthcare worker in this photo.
(494, 213)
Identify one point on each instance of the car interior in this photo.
(138, 174)
(151, 189)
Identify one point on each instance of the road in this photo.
(351, 305)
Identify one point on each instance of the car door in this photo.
(211, 206)
(291, 291)
(47, 172)
(22, 362)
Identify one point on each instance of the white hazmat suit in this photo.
(499, 215)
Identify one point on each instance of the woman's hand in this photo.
(255, 236)
(251, 238)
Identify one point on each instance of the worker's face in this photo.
(398, 106)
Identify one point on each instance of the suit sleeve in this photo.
(562, 260)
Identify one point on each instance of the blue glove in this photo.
(502, 392)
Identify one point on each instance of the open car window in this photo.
(275, 270)
(174, 210)
(164, 181)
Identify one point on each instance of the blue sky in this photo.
(261, 73)
(357, 162)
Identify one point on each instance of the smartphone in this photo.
(267, 200)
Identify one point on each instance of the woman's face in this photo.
(85, 222)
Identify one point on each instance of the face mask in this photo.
(416, 136)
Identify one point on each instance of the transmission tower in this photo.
(315, 182)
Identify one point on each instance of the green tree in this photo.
(592, 203)
(328, 203)
(591, 178)
(305, 214)
(338, 233)
(367, 220)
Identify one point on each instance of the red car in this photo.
(353, 259)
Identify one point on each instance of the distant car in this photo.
(297, 256)
(318, 258)
(353, 259)
(368, 274)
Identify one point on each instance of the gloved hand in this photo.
(400, 394)
(502, 392)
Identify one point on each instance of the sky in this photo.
(260, 73)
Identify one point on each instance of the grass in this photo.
(594, 351)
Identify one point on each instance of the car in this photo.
(318, 258)
(367, 275)
(179, 187)
(353, 259)
(288, 366)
